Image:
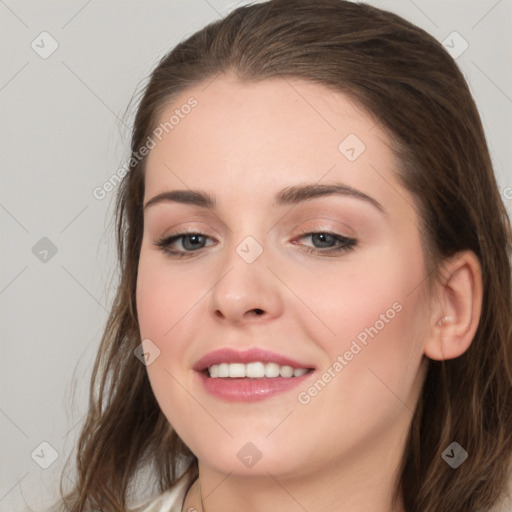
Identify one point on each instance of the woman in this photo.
(314, 310)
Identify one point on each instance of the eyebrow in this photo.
(288, 196)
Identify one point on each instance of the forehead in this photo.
(284, 113)
(251, 137)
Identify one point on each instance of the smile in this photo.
(249, 375)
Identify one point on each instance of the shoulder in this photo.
(170, 501)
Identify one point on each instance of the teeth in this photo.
(236, 370)
(256, 370)
(272, 370)
(223, 370)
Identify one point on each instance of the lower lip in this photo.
(249, 390)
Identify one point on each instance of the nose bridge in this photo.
(249, 236)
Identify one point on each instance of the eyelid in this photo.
(191, 229)
(329, 226)
(328, 231)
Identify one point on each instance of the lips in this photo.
(246, 376)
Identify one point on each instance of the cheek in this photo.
(376, 318)
(372, 315)
(163, 298)
(161, 302)
(166, 317)
(345, 300)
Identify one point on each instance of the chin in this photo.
(255, 458)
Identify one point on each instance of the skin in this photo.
(242, 144)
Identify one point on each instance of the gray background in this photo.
(63, 134)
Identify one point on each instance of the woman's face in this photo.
(266, 281)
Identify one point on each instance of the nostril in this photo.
(258, 311)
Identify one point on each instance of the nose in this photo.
(246, 291)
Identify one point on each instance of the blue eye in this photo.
(193, 242)
(196, 242)
(326, 239)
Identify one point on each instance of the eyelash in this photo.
(347, 244)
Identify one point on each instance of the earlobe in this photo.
(455, 319)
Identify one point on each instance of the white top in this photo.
(169, 501)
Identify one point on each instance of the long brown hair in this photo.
(401, 75)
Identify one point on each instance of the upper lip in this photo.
(229, 355)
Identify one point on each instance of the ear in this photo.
(456, 315)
